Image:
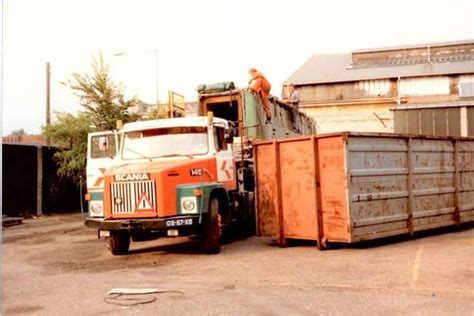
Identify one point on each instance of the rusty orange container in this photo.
(349, 187)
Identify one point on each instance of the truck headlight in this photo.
(188, 205)
(96, 208)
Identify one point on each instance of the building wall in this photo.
(434, 106)
(359, 90)
(424, 86)
(362, 106)
(365, 106)
(408, 90)
(360, 117)
(24, 139)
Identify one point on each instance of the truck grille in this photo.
(129, 194)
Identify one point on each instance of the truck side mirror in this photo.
(229, 135)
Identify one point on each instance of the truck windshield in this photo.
(165, 142)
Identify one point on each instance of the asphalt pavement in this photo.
(55, 266)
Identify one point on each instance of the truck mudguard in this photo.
(194, 198)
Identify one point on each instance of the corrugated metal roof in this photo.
(334, 68)
(415, 46)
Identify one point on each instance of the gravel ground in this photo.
(56, 266)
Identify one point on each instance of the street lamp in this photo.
(155, 51)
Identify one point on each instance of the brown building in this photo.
(421, 89)
(36, 140)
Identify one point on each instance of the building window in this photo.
(466, 86)
(424, 86)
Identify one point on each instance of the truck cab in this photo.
(102, 151)
(170, 177)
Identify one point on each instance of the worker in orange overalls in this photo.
(260, 85)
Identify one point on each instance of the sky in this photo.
(203, 41)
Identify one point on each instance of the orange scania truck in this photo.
(182, 176)
(170, 177)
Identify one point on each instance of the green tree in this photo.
(103, 99)
(159, 112)
(69, 132)
(104, 103)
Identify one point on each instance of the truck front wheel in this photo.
(212, 228)
(118, 242)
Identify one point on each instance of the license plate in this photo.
(179, 222)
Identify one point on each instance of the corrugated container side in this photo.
(267, 190)
(251, 115)
(298, 193)
(433, 183)
(363, 186)
(378, 186)
(281, 126)
(333, 189)
(466, 180)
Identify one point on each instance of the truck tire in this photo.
(212, 228)
(118, 242)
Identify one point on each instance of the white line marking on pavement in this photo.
(416, 267)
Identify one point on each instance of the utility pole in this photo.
(156, 78)
(48, 99)
(48, 89)
(39, 157)
(39, 181)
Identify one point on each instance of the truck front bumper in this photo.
(145, 224)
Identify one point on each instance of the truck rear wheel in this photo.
(212, 228)
(118, 242)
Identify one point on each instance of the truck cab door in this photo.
(102, 149)
(225, 163)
